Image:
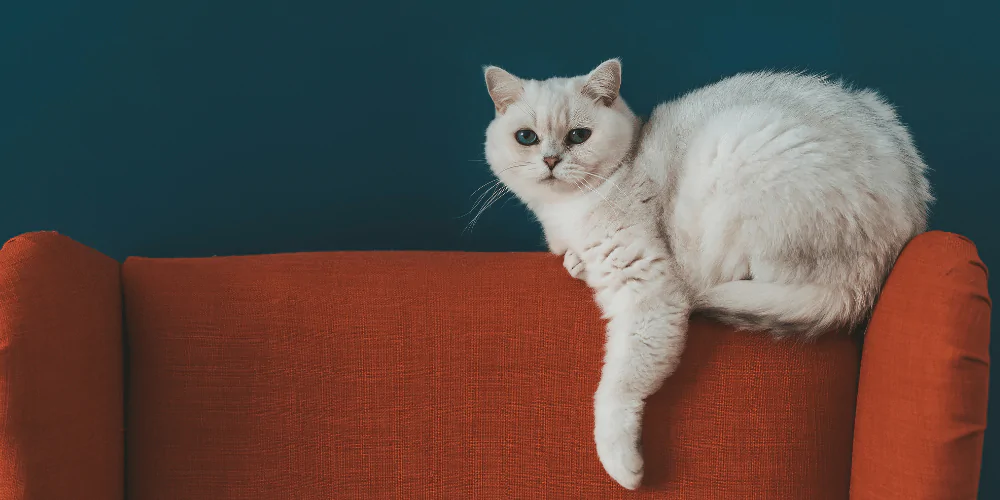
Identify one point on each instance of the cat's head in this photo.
(559, 137)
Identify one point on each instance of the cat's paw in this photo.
(617, 436)
(621, 459)
(573, 264)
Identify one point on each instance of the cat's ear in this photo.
(504, 87)
(603, 83)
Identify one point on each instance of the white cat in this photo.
(772, 201)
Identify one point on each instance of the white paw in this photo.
(573, 264)
(617, 434)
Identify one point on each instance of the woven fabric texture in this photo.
(61, 423)
(448, 375)
(924, 377)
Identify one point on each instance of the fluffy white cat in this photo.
(771, 201)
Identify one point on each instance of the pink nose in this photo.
(551, 161)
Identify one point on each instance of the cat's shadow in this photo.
(710, 414)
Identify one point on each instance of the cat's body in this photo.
(772, 201)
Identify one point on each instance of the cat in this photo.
(771, 201)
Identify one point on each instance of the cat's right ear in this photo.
(504, 87)
(604, 82)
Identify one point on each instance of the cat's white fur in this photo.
(772, 201)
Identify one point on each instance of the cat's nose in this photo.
(551, 161)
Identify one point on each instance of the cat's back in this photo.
(765, 166)
(781, 88)
(844, 120)
(813, 99)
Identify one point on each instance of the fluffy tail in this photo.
(784, 309)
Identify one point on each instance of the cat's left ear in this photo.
(604, 82)
(504, 88)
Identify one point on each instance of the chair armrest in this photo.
(61, 420)
(922, 393)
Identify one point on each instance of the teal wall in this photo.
(191, 128)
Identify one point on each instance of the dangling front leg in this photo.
(648, 316)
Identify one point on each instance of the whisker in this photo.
(508, 201)
(493, 199)
(490, 186)
(488, 183)
(489, 190)
(530, 112)
(515, 165)
(618, 209)
(605, 179)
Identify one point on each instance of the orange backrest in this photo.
(415, 375)
(450, 375)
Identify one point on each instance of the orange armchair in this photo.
(459, 375)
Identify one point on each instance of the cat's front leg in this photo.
(644, 345)
(647, 326)
(574, 264)
(571, 260)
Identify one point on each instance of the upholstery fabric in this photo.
(924, 377)
(61, 434)
(457, 375)
(448, 375)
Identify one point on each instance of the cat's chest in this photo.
(571, 222)
(585, 224)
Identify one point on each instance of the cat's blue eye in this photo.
(578, 135)
(526, 137)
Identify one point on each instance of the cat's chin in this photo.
(551, 189)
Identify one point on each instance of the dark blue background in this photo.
(201, 128)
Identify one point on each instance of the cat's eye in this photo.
(526, 137)
(578, 135)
